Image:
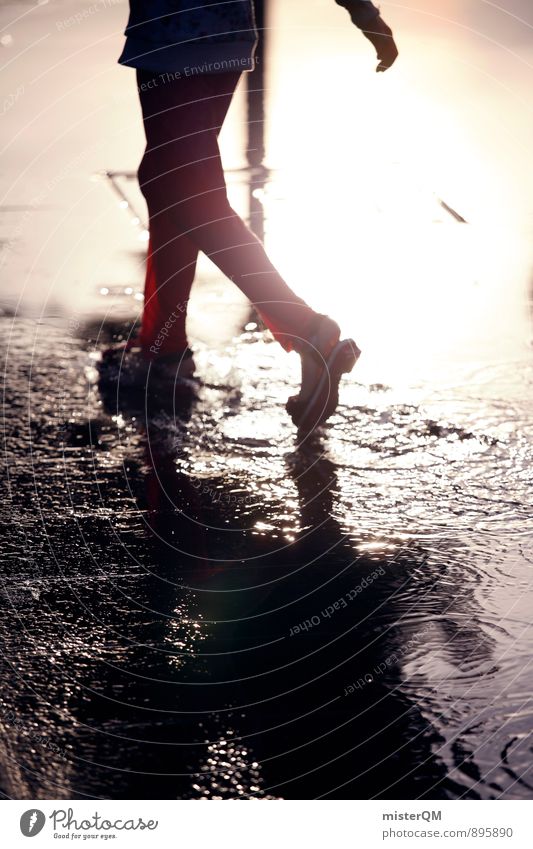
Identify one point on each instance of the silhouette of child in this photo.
(189, 56)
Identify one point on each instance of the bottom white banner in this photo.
(311, 824)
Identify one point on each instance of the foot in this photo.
(171, 367)
(324, 360)
(314, 353)
(126, 364)
(123, 363)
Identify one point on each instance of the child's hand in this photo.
(381, 37)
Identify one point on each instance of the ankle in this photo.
(321, 338)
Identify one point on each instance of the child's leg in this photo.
(182, 179)
(170, 268)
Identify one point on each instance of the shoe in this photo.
(324, 360)
(172, 367)
(125, 364)
(170, 384)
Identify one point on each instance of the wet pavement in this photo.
(194, 605)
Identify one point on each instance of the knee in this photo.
(151, 174)
(143, 177)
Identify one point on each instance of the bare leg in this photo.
(183, 181)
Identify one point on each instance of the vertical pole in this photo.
(255, 122)
(255, 139)
(255, 95)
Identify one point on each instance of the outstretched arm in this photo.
(366, 16)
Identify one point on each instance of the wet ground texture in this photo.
(196, 606)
